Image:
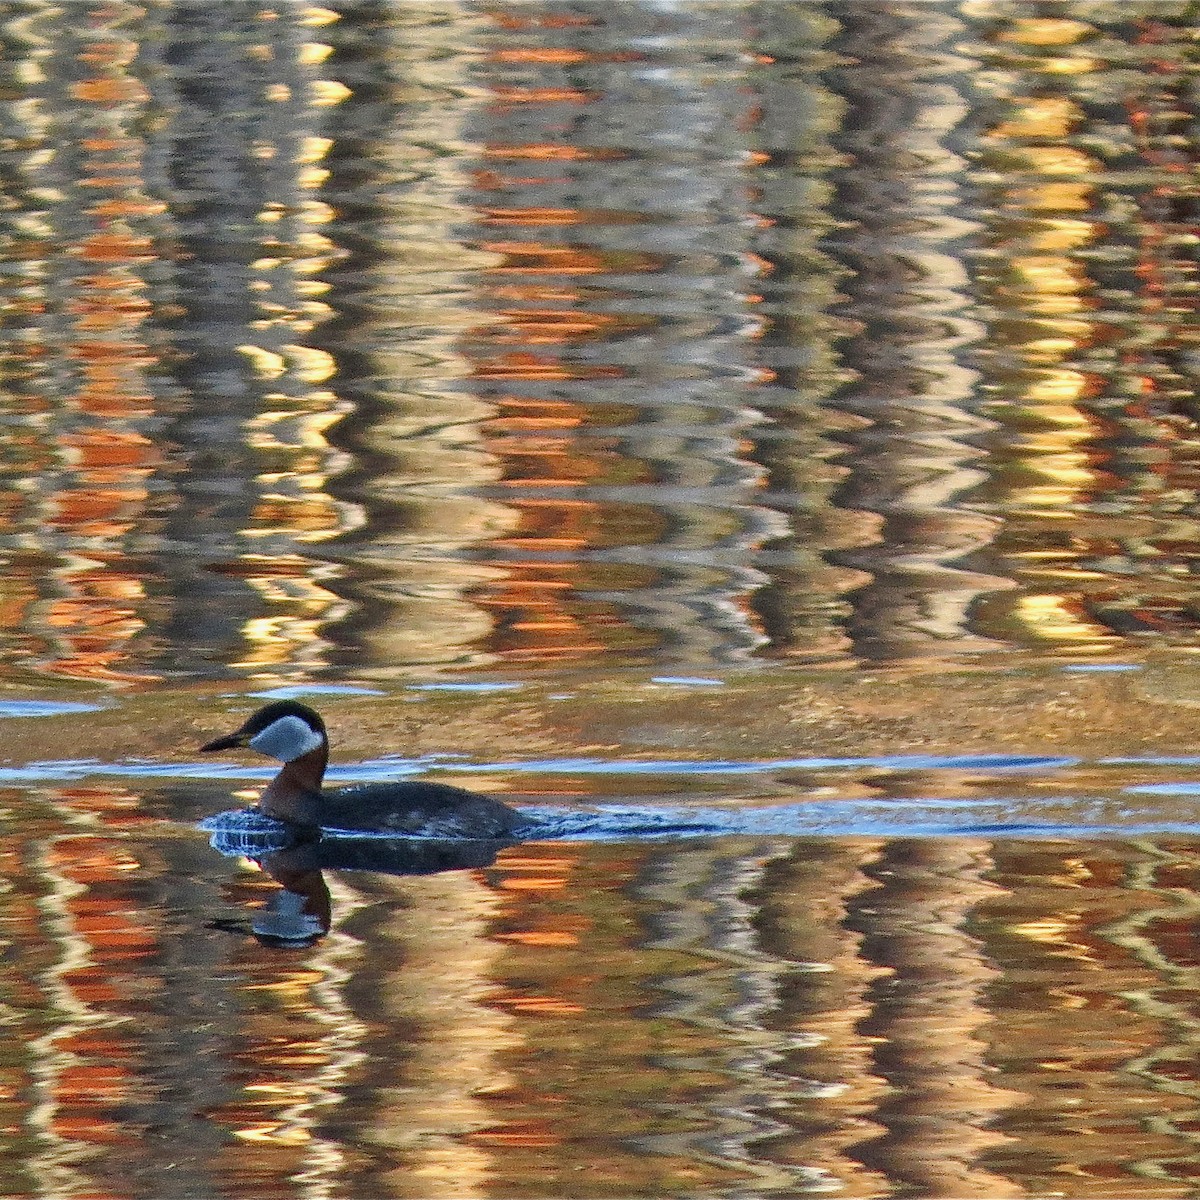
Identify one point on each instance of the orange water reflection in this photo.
(390, 345)
(877, 1015)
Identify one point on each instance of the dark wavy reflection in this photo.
(389, 338)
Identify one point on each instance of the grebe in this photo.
(295, 735)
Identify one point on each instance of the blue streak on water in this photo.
(1153, 760)
(391, 767)
(247, 831)
(1182, 788)
(465, 687)
(895, 762)
(294, 691)
(62, 770)
(687, 681)
(44, 708)
(914, 818)
(1101, 668)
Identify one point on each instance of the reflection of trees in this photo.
(403, 293)
(620, 350)
(852, 1015)
(929, 1015)
(1081, 267)
(908, 295)
(244, 148)
(102, 999)
(1094, 946)
(83, 490)
(405, 337)
(948, 1016)
(428, 936)
(802, 903)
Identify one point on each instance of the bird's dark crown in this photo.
(278, 709)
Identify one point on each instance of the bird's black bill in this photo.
(225, 743)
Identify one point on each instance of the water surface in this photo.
(403, 339)
(757, 439)
(857, 1012)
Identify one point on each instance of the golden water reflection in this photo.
(394, 339)
(868, 1017)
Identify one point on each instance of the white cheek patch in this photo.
(286, 739)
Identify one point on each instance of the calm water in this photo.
(463, 361)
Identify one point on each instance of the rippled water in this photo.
(872, 975)
(757, 439)
(746, 1012)
(400, 337)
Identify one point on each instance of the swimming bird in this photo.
(295, 735)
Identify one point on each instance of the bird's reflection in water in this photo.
(300, 913)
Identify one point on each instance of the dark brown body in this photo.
(419, 809)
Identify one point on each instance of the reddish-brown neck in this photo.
(295, 793)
